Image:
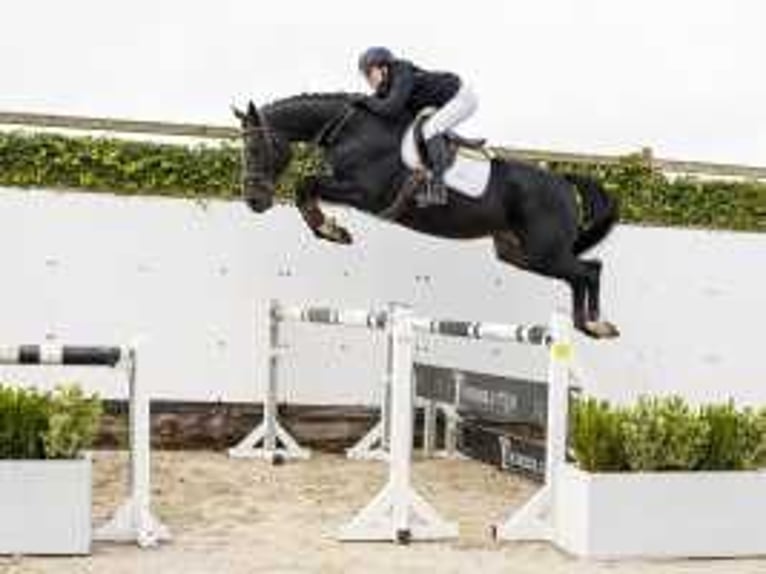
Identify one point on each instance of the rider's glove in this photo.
(359, 101)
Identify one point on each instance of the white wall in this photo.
(194, 282)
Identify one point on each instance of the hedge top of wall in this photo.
(35, 160)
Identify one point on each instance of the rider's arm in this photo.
(394, 102)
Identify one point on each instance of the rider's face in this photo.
(375, 76)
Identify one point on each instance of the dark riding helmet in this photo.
(375, 56)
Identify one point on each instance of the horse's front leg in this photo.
(322, 226)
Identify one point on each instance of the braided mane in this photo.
(308, 98)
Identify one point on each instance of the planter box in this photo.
(674, 514)
(45, 506)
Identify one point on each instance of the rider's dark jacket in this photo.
(409, 89)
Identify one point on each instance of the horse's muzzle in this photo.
(260, 201)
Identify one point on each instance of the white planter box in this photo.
(45, 506)
(675, 514)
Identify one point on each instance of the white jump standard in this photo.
(133, 521)
(270, 440)
(534, 520)
(398, 512)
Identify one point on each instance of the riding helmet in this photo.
(375, 56)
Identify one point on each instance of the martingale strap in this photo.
(404, 196)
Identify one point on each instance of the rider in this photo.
(401, 87)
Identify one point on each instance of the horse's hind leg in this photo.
(594, 288)
(583, 278)
(580, 279)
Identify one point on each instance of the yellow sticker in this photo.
(562, 351)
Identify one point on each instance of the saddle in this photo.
(455, 141)
(468, 172)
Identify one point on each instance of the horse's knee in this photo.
(508, 248)
(594, 265)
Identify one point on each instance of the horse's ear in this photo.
(239, 114)
(252, 112)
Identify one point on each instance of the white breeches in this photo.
(454, 112)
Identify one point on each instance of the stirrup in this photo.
(432, 194)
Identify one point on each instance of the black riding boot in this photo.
(435, 192)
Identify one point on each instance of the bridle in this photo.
(325, 136)
(269, 153)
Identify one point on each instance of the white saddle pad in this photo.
(469, 174)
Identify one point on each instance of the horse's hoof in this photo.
(330, 231)
(601, 330)
(342, 235)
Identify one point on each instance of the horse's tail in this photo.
(600, 211)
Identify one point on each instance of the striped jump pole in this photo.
(133, 521)
(485, 331)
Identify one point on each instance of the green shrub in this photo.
(23, 423)
(595, 436)
(759, 428)
(666, 434)
(35, 425)
(734, 438)
(663, 433)
(73, 421)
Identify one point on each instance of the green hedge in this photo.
(666, 434)
(648, 197)
(129, 167)
(126, 167)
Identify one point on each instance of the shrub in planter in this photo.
(596, 436)
(691, 490)
(663, 433)
(666, 434)
(73, 420)
(23, 423)
(734, 438)
(46, 504)
(35, 425)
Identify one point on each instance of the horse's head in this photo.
(263, 158)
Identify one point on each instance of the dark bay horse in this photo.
(539, 221)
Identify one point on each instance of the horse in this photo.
(539, 221)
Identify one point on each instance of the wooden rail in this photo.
(202, 131)
(117, 125)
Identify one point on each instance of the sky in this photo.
(683, 77)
